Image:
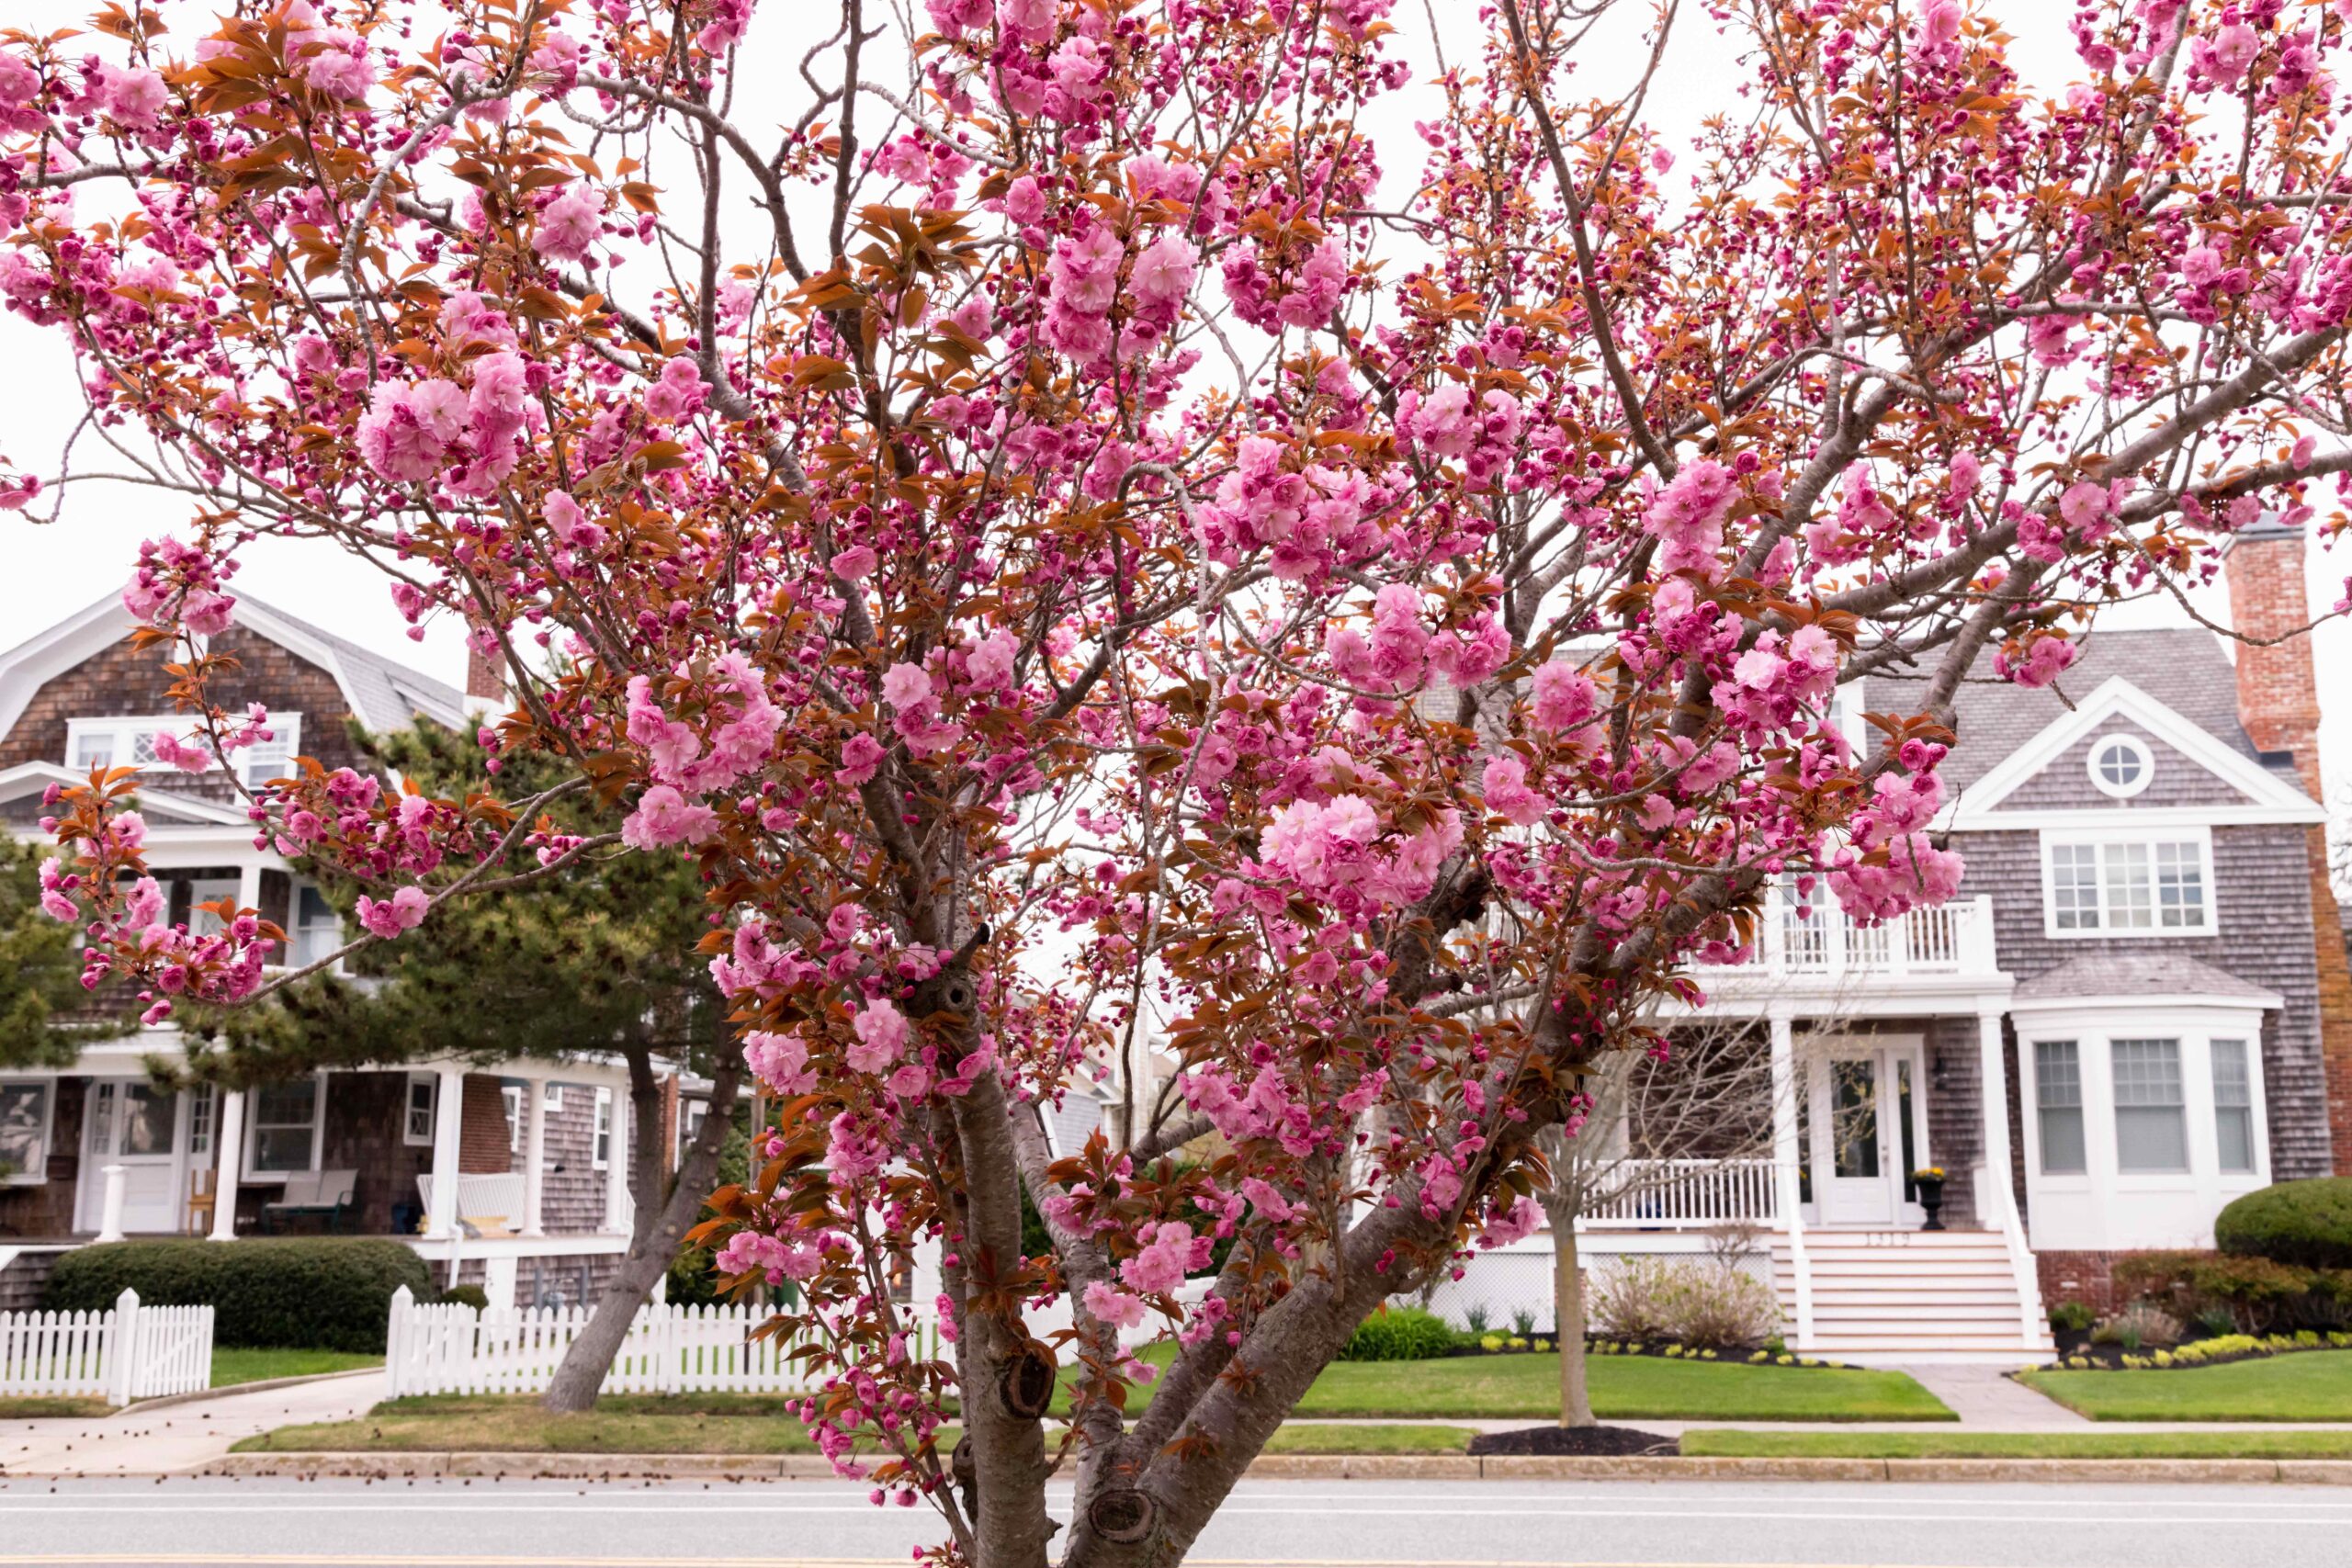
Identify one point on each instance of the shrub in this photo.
(2259, 1295)
(1399, 1334)
(465, 1296)
(293, 1292)
(2308, 1224)
(2072, 1317)
(1703, 1306)
(2142, 1324)
(1475, 1317)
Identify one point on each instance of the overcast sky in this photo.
(56, 569)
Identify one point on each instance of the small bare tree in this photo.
(1706, 1094)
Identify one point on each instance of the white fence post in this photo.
(110, 1207)
(396, 1340)
(122, 1346)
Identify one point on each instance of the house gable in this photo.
(2195, 776)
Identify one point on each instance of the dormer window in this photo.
(2121, 765)
(128, 741)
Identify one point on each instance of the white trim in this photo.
(410, 1136)
(2123, 829)
(2120, 699)
(2144, 816)
(30, 778)
(510, 1104)
(2137, 748)
(2105, 1002)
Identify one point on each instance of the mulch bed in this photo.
(1582, 1441)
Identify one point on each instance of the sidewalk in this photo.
(179, 1437)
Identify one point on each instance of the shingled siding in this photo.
(1955, 1114)
(121, 681)
(2173, 780)
(2263, 909)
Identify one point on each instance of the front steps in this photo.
(1881, 1297)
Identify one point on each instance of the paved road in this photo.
(450, 1524)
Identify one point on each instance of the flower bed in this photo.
(2214, 1350)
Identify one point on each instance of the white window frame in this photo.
(552, 1097)
(37, 1173)
(124, 731)
(253, 1172)
(2103, 839)
(2139, 749)
(431, 1084)
(510, 1102)
(600, 1133)
(296, 929)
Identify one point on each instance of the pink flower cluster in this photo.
(415, 432)
(1341, 845)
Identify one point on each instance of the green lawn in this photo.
(640, 1424)
(2020, 1445)
(2306, 1386)
(1623, 1388)
(37, 1407)
(259, 1366)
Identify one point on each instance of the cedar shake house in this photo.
(512, 1175)
(2137, 1009)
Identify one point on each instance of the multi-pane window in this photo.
(318, 930)
(23, 1130)
(2232, 1105)
(2058, 1105)
(510, 1104)
(201, 1103)
(285, 1116)
(123, 741)
(2151, 1115)
(417, 1123)
(2128, 886)
(601, 1149)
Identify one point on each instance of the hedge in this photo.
(2308, 1224)
(2263, 1296)
(289, 1293)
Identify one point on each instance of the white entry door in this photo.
(1868, 1108)
(130, 1122)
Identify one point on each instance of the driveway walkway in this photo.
(179, 1437)
(1986, 1399)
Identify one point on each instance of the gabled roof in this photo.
(384, 694)
(2139, 975)
(171, 806)
(2174, 682)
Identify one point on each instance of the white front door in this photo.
(130, 1122)
(1867, 1104)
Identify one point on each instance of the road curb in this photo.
(1325, 1467)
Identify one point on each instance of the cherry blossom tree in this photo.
(1089, 517)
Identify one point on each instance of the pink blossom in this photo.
(1163, 274)
(2225, 55)
(1115, 1307)
(663, 818)
(187, 757)
(881, 1037)
(569, 224)
(1171, 1252)
(207, 614)
(134, 97)
(906, 687)
(387, 917)
(680, 392)
(779, 1061)
(1565, 696)
(1505, 787)
(861, 759)
(855, 563)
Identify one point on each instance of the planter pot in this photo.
(1932, 1199)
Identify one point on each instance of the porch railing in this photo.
(1689, 1194)
(1949, 938)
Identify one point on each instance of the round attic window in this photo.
(2121, 765)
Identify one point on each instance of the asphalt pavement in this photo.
(1388, 1524)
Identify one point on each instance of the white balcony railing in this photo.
(1949, 938)
(1688, 1194)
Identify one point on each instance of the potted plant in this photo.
(1930, 1180)
(2070, 1326)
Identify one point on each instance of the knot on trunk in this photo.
(1026, 1383)
(1123, 1515)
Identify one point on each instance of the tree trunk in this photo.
(1567, 1318)
(658, 1230)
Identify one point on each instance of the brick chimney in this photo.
(2279, 706)
(485, 675)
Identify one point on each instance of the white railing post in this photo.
(122, 1346)
(110, 1208)
(396, 1340)
(1995, 1077)
(1787, 1085)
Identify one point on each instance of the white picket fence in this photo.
(450, 1348)
(129, 1352)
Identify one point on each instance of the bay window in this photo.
(2151, 1112)
(2232, 1106)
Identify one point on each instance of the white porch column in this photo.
(616, 1196)
(449, 1106)
(110, 1205)
(249, 890)
(1786, 1152)
(534, 1154)
(228, 1148)
(1996, 1197)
